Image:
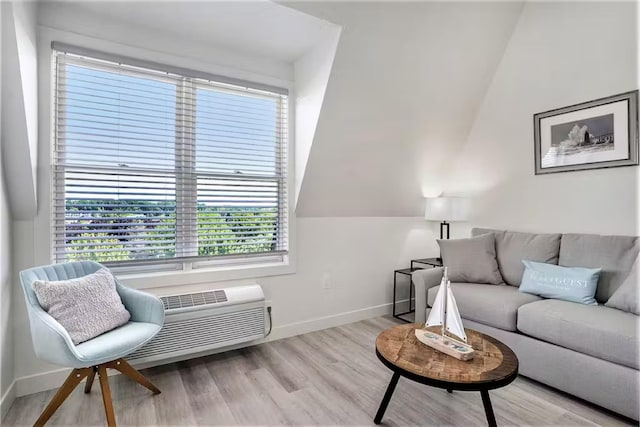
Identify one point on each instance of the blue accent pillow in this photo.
(575, 284)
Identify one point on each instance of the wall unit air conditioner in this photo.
(197, 322)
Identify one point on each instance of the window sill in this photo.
(158, 279)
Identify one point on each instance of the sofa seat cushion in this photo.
(599, 331)
(491, 305)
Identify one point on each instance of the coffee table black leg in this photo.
(488, 409)
(387, 398)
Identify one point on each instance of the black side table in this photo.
(433, 262)
(407, 272)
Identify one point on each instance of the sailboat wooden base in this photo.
(444, 313)
(446, 345)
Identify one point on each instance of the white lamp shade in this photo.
(447, 209)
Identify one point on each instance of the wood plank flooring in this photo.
(329, 377)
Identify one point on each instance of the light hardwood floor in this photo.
(329, 377)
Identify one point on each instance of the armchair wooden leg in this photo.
(90, 378)
(106, 396)
(128, 370)
(74, 378)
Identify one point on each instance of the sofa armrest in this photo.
(423, 280)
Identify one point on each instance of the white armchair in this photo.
(52, 342)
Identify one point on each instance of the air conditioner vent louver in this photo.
(202, 321)
(192, 300)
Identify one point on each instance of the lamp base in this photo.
(443, 225)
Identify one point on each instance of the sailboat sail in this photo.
(453, 321)
(436, 315)
(445, 314)
(445, 311)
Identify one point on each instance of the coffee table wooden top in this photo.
(494, 364)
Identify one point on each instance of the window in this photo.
(153, 164)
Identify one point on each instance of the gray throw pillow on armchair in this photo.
(471, 260)
(86, 307)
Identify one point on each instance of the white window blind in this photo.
(158, 164)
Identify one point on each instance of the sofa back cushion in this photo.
(513, 247)
(471, 260)
(614, 254)
(627, 296)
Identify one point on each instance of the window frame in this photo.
(253, 264)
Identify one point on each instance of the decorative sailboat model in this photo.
(452, 339)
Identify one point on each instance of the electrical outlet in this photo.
(326, 281)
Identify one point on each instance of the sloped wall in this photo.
(311, 75)
(20, 115)
(560, 54)
(407, 81)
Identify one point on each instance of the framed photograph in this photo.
(595, 134)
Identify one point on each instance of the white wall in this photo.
(353, 257)
(7, 286)
(345, 265)
(31, 245)
(6, 281)
(560, 54)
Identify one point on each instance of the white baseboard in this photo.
(40, 382)
(326, 322)
(7, 400)
(53, 379)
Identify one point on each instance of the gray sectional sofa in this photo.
(589, 351)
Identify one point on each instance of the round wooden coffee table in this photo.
(494, 365)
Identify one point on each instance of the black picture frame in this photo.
(613, 142)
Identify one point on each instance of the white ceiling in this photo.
(260, 28)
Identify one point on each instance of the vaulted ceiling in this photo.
(406, 83)
(392, 106)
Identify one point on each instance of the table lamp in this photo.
(445, 210)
